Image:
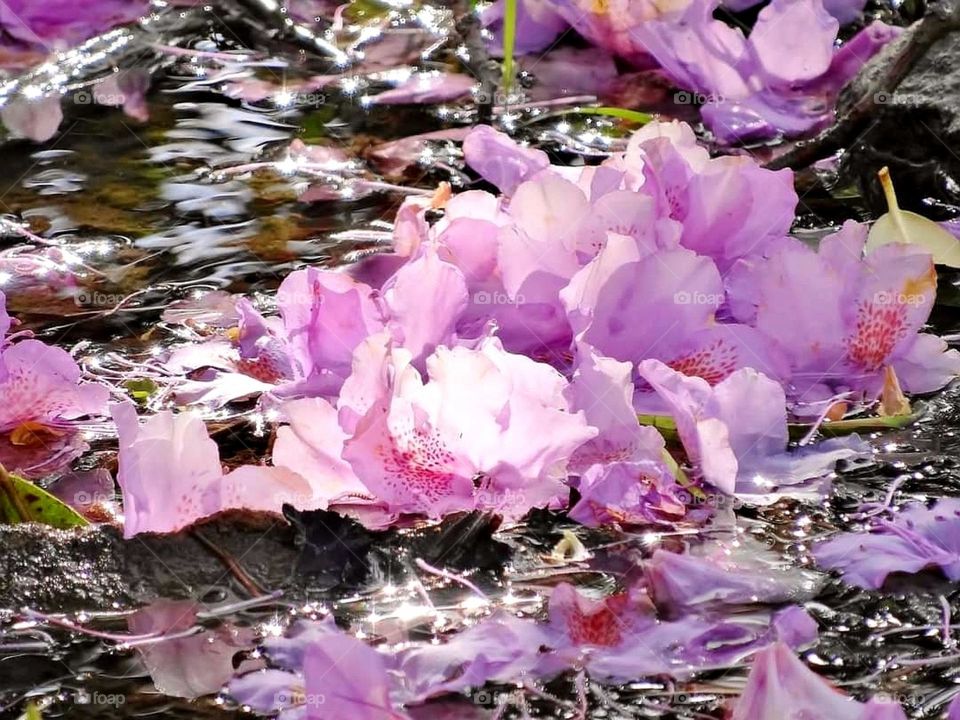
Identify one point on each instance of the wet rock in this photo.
(308, 555)
(463, 542)
(913, 127)
(50, 569)
(335, 551)
(95, 568)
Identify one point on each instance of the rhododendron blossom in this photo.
(462, 437)
(620, 638)
(58, 24)
(841, 318)
(44, 402)
(735, 433)
(773, 80)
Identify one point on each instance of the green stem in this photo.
(621, 113)
(509, 41)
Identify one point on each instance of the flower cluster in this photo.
(662, 281)
(782, 78)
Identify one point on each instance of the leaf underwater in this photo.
(21, 501)
(32, 713)
(615, 112)
(141, 389)
(902, 226)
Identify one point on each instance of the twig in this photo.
(478, 61)
(231, 564)
(450, 576)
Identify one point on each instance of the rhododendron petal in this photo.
(779, 681)
(538, 24)
(916, 539)
(841, 319)
(427, 88)
(628, 494)
(266, 691)
(58, 24)
(501, 161)
(929, 365)
(325, 316)
(603, 390)
(498, 649)
(346, 678)
(187, 667)
(311, 445)
(674, 290)
(36, 120)
(425, 300)
(725, 574)
(43, 398)
(787, 55)
(170, 475)
(705, 438)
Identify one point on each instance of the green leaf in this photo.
(663, 423)
(31, 712)
(621, 113)
(140, 390)
(21, 501)
(509, 42)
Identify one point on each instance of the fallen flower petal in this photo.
(779, 682)
(916, 539)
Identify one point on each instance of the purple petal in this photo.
(427, 88)
(779, 680)
(501, 161)
(36, 120)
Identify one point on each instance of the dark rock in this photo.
(462, 542)
(913, 128)
(336, 552)
(96, 569)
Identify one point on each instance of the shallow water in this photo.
(150, 209)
